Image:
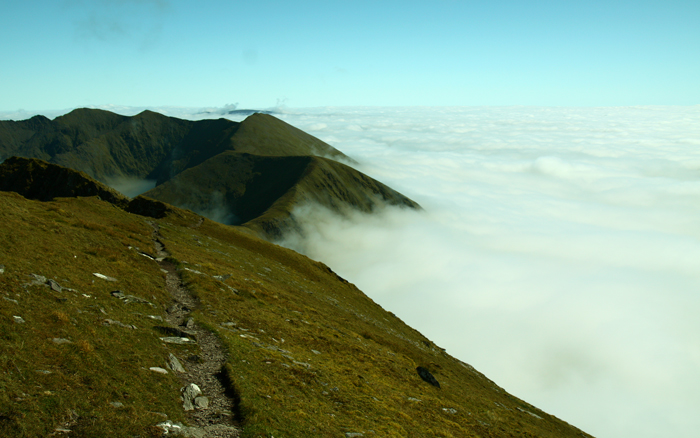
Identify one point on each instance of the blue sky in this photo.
(68, 53)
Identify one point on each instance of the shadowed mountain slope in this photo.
(254, 172)
(37, 179)
(87, 335)
(149, 145)
(261, 191)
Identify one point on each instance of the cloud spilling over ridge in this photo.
(558, 253)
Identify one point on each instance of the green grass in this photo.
(308, 353)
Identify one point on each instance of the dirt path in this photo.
(205, 369)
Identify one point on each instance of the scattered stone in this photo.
(42, 371)
(104, 277)
(53, 284)
(129, 298)
(415, 400)
(117, 404)
(11, 300)
(37, 280)
(315, 352)
(427, 377)
(61, 341)
(190, 323)
(201, 402)
(18, 319)
(170, 427)
(222, 277)
(450, 410)
(118, 294)
(2, 269)
(178, 340)
(145, 254)
(189, 393)
(229, 324)
(172, 309)
(159, 370)
(175, 364)
(117, 323)
(353, 434)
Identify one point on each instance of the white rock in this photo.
(159, 370)
(189, 393)
(201, 402)
(104, 277)
(175, 364)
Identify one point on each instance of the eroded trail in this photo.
(215, 416)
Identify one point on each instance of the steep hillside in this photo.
(233, 172)
(95, 302)
(261, 191)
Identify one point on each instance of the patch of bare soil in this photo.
(218, 419)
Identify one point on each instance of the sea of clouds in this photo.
(558, 251)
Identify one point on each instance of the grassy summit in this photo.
(305, 352)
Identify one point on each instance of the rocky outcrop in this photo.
(37, 179)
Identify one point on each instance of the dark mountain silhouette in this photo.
(37, 179)
(253, 172)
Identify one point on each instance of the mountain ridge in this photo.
(86, 352)
(248, 159)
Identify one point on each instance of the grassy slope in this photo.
(276, 308)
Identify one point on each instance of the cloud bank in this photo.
(558, 253)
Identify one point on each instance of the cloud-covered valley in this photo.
(558, 253)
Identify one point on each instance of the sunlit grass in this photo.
(308, 353)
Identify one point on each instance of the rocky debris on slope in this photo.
(214, 414)
(2, 269)
(18, 319)
(189, 394)
(175, 365)
(427, 376)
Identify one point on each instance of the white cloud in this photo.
(559, 252)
